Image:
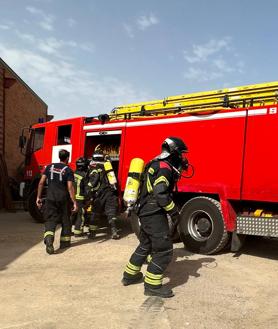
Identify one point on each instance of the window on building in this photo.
(38, 138)
(64, 135)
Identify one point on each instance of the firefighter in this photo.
(154, 205)
(60, 186)
(80, 181)
(103, 194)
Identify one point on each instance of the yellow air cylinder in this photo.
(110, 173)
(133, 181)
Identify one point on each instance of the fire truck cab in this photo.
(232, 141)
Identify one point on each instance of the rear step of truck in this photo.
(264, 226)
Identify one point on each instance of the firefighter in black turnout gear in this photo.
(59, 192)
(80, 176)
(103, 194)
(154, 204)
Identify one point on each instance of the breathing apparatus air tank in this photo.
(110, 174)
(133, 181)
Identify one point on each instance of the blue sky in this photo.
(86, 57)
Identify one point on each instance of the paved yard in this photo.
(81, 288)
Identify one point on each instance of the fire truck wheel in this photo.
(202, 228)
(33, 209)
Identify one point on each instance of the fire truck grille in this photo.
(265, 226)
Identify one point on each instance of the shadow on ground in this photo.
(259, 247)
(181, 267)
(19, 233)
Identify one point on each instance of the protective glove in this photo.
(175, 220)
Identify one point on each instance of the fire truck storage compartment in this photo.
(109, 143)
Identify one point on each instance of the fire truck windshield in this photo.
(35, 139)
(38, 136)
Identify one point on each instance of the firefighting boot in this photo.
(48, 240)
(64, 244)
(132, 279)
(92, 234)
(162, 291)
(78, 233)
(92, 231)
(114, 231)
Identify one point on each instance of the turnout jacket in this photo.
(98, 181)
(79, 180)
(156, 193)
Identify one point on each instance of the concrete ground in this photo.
(80, 287)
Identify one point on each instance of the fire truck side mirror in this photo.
(22, 141)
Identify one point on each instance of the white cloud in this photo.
(4, 27)
(201, 53)
(212, 60)
(89, 47)
(46, 21)
(240, 66)
(47, 24)
(53, 46)
(71, 22)
(144, 22)
(50, 46)
(65, 87)
(129, 30)
(223, 66)
(25, 36)
(202, 75)
(33, 10)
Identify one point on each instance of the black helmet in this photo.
(173, 146)
(98, 156)
(81, 162)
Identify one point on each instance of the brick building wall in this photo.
(1, 110)
(22, 109)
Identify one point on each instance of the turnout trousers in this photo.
(154, 241)
(106, 202)
(57, 212)
(78, 217)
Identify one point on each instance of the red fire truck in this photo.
(232, 141)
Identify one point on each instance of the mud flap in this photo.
(237, 241)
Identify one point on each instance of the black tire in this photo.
(135, 224)
(34, 211)
(202, 228)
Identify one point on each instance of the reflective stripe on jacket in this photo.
(157, 189)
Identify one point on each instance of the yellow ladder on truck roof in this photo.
(237, 97)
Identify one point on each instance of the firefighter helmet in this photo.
(98, 156)
(173, 146)
(81, 162)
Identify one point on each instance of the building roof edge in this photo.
(7, 67)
